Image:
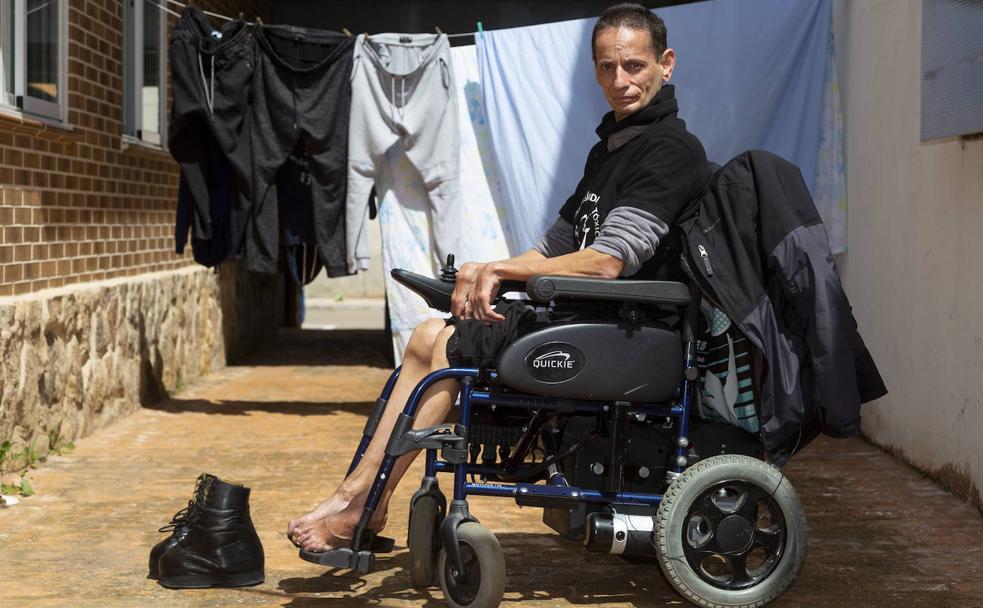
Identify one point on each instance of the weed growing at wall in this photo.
(57, 443)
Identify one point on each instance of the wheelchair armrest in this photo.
(437, 292)
(544, 288)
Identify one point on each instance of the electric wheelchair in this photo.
(594, 422)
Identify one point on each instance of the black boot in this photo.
(221, 548)
(179, 525)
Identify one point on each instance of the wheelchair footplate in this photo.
(346, 557)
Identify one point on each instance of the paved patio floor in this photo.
(285, 424)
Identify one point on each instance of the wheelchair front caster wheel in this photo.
(730, 533)
(422, 540)
(483, 583)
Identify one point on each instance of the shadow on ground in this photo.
(242, 408)
(539, 568)
(318, 347)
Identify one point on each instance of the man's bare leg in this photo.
(335, 519)
(416, 364)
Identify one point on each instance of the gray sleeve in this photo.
(631, 235)
(558, 240)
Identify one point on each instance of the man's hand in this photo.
(478, 285)
(464, 284)
(485, 290)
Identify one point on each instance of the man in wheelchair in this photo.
(617, 224)
(602, 380)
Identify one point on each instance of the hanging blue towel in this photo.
(749, 74)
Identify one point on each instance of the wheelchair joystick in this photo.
(448, 273)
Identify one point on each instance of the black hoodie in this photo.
(648, 161)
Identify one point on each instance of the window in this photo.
(33, 35)
(144, 68)
(6, 53)
(952, 68)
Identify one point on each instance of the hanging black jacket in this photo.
(756, 246)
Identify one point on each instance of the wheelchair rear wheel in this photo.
(730, 531)
(484, 564)
(422, 541)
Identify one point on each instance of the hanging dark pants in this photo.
(293, 186)
(218, 246)
(301, 98)
(211, 74)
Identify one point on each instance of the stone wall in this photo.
(74, 359)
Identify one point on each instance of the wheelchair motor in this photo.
(644, 457)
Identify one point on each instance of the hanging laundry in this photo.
(211, 73)
(482, 204)
(403, 94)
(300, 99)
(543, 101)
(218, 246)
(542, 109)
(829, 190)
(293, 185)
(407, 242)
(405, 212)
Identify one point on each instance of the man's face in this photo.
(628, 70)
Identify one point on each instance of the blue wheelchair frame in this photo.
(556, 488)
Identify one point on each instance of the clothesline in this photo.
(209, 13)
(163, 8)
(227, 18)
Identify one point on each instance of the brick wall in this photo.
(78, 204)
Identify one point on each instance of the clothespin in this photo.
(346, 32)
(259, 21)
(242, 15)
(437, 28)
(481, 29)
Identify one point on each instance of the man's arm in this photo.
(583, 263)
(467, 277)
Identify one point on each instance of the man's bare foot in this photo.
(335, 504)
(336, 531)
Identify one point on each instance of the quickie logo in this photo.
(555, 360)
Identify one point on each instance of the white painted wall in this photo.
(914, 268)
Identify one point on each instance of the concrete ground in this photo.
(347, 313)
(285, 424)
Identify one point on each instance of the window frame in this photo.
(7, 46)
(133, 32)
(933, 102)
(18, 100)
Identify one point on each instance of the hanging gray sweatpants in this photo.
(403, 92)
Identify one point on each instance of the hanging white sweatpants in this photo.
(404, 208)
(403, 93)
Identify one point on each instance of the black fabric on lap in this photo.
(475, 344)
